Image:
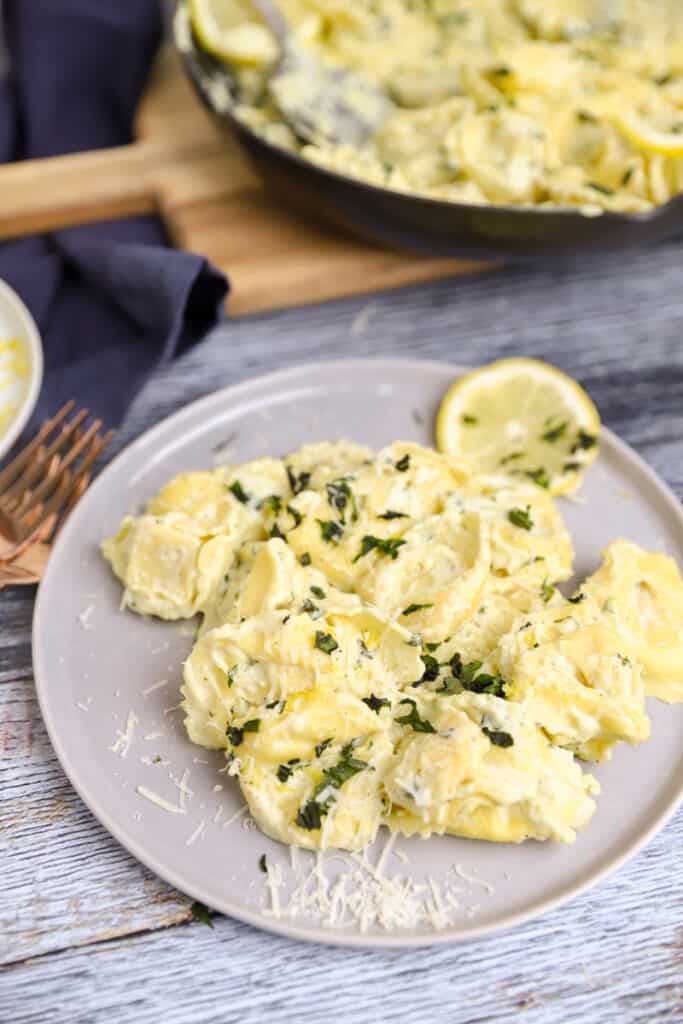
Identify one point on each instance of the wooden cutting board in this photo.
(185, 169)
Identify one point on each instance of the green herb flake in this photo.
(390, 514)
(305, 559)
(603, 189)
(297, 483)
(511, 458)
(235, 735)
(434, 646)
(263, 864)
(325, 642)
(627, 175)
(271, 504)
(231, 674)
(577, 599)
(555, 433)
(412, 608)
(521, 517)
(547, 590)
(200, 912)
(340, 496)
(498, 737)
(412, 718)
(583, 442)
(469, 420)
(238, 492)
(296, 515)
(431, 670)
(309, 816)
(539, 476)
(311, 609)
(376, 703)
(318, 592)
(501, 71)
(403, 463)
(586, 117)
(571, 467)
(387, 546)
(322, 747)
(253, 725)
(330, 531)
(277, 534)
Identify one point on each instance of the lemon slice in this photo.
(229, 29)
(521, 417)
(648, 137)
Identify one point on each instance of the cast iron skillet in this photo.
(428, 226)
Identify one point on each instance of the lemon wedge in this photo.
(521, 417)
(648, 137)
(230, 29)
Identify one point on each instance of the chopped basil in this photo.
(627, 175)
(330, 531)
(521, 517)
(547, 591)
(583, 442)
(308, 816)
(305, 559)
(388, 546)
(604, 189)
(273, 504)
(577, 598)
(511, 458)
(325, 642)
(434, 646)
(415, 608)
(403, 463)
(238, 492)
(252, 725)
(296, 515)
(431, 670)
(498, 737)
(231, 674)
(275, 704)
(311, 608)
(340, 495)
(571, 467)
(262, 864)
(235, 736)
(276, 533)
(364, 652)
(412, 718)
(375, 703)
(468, 419)
(502, 71)
(318, 592)
(284, 771)
(200, 912)
(298, 483)
(586, 117)
(470, 678)
(539, 476)
(555, 433)
(390, 514)
(322, 747)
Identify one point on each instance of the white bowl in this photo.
(23, 388)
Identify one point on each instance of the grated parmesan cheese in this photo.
(121, 744)
(197, 834)
(159, 801)
(85, 616)
(155, 686)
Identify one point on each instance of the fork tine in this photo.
(58, 502)
(52, 481)
(12, 496)
(16, 466)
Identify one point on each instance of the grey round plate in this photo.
(93, 664)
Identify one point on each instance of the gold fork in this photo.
(39, 487)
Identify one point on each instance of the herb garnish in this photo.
(390, 514)
(330, 531)
(571, 467)
(339, 495)
(415, 608)
(262, 864)
(325, 642)
(318, 592)
(498, 737)
(469, 419)
(238, 492)
(200, 912)
(431, 670)
(231, 674)
(511, 458)
(412, 718)
(539, 476)
(604, 189)
(586, 117)
(310, 815)
(403, 463)
(521, 517)
(305, 559)
(296, 516)
(470, 678)
(577, 599)
(297, 483)
(627, 175)
(273, 503)
(583, 442)
(322, 747)
(388, 546)
(236, 735)
(311, 608)
(547, 590)
(555, 433)
(375, 703)
(284, 771)
(276, 533)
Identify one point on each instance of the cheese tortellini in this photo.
(546, 103)
(382, 642)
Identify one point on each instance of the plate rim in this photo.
(287, 928)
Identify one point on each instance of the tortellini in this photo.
(383, 643)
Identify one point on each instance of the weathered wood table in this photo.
(88, 935)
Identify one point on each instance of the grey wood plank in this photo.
(70, 895)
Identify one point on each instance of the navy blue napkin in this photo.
(112, 300)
